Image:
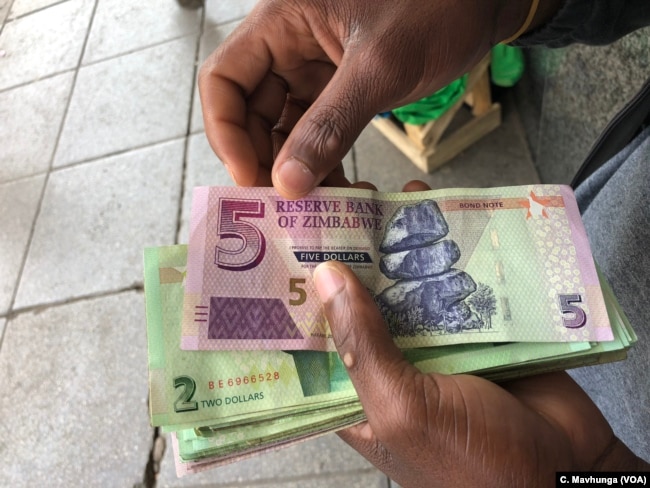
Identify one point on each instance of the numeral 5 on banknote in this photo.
(236, 223)
(444, 267)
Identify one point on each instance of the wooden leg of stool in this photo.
(481, 96)
(414, 132)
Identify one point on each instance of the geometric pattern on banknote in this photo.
(429, 293)
(250, 318)
(554, 241)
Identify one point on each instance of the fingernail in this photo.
(230, 172)
(295, 177)
(328, 280)
(348, 360)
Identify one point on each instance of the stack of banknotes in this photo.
(495, 282)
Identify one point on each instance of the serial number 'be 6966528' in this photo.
(244, 380)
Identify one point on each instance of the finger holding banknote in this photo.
(431, 429)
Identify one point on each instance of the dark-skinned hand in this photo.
(286, 95)
(433, 430)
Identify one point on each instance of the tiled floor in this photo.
(101, 141)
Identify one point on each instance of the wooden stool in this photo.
(428, 145)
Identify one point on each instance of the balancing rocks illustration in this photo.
(429, 295)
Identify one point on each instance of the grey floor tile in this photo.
(95, 220)
(223, 11)
(18, 204)
(4, 11)
(196, 119)
(499, 159)
(73, 407)
(23, 7)
(203, 169)
(349, 166)
(121, 26)
(210, 40)
(129, 101)
(3, 323)
(44, 43)
(30, 119)
(327, 455)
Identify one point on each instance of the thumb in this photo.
(376, 366)
(325, 133)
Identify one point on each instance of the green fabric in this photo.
(507, 65)
(433, 106)
(506, 68)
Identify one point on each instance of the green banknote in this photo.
(199, 388)
(193, 446)
(315, 395)
(196, 387)
(189, 467)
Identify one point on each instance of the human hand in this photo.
(458, 431)
(286, 95)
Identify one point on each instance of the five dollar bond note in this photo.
(454, 266)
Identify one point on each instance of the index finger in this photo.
(226, 79)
